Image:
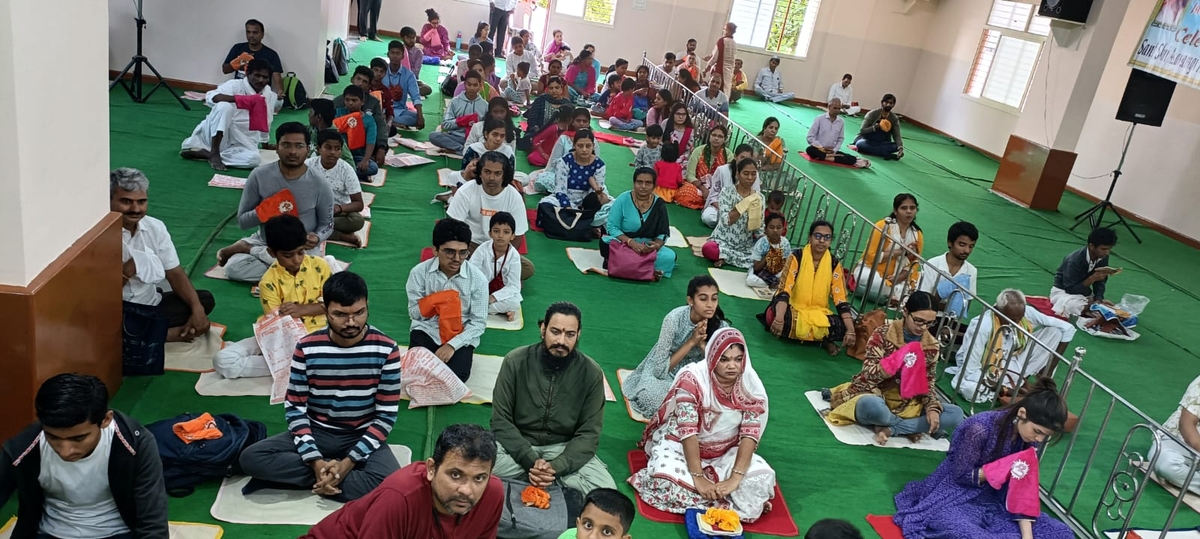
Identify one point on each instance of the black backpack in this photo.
(294, 96)
(187, 465)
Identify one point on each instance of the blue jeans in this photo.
(880, 149)
(872, 411)
(404, 117)
(447, 141)
(631, 125)
(372, 167)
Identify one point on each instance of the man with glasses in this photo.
(995, 356)
(336, 438)
(448, 299)
(285, 187)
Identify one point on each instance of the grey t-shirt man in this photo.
(314, 198)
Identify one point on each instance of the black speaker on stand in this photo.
(1145, 102)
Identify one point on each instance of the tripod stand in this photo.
(1095, 214)
(134, 87)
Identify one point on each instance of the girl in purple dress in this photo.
(956, 502)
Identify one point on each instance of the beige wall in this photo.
(40, 220)
(1159, 176)
(189, 40)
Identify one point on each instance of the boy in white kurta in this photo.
(500, 263)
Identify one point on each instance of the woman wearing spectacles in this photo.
(810, 278)
(893, 393)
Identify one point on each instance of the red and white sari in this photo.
(696, 406)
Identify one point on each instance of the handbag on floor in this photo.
(864, 326)
(143, 337)
(625, 263)
(567, 224)
(518, 521)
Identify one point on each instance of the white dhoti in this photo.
(505, 306)
(239, 145)
(853, 110)
(1025, 363)
(709, 216)
(241, 359)
(1067, 305)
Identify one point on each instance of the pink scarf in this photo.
(909, 361)
(256, 105)
(1020, 471)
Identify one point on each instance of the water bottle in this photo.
(458, 41)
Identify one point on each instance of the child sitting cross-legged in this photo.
(769, 254)
(517, 86)
(358, 128)
(291, 286)
(500, 263)
(347, 192)
(606, 514)
(620, 109)
(669, 171)
(651, 151)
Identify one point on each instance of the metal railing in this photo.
(1069, 488)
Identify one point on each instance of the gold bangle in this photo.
(739, 472)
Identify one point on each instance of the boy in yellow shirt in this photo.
(291, 286)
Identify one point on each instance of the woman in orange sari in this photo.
(776, 150)
(811, 277)
(887, 270)
(704, 161)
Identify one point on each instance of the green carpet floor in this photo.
(819, 477)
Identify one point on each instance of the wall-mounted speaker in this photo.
(1146, 99)
(1067, 10)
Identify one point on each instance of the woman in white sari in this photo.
(701, 444)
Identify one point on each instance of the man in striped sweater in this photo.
(341, 405)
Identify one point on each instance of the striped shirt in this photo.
(344, 390)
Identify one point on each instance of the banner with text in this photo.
(1170, 46)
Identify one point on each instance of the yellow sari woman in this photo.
(811, 277)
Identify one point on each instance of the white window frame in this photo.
(803, 40)
(1034, 23)
(583, 15)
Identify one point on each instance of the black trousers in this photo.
(460, 362)
(498, 33)
(841, 159)
(368, 17)
(177, 311)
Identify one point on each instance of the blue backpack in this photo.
(187, 465)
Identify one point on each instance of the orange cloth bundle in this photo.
(885, 124)
(535, 497)
(240, 62)
(351, 125)
(201, 428)
(278, 204)
(447, 306)
(722, 519)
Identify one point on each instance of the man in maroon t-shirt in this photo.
(457, 484)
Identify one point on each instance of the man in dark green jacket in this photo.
(548, 409)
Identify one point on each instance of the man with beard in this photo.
(341, 405)
(548, 409)
(149, 259)
(287, 186)
(225, 138)
(477, 201)
(448, 299)
(450, 495)
(880, 134)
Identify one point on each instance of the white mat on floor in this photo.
(280, 507)
(622, 374)
(1191, 499)
(177, 530)
(377, 180)
(1191, 533)
(484, 370)
(401, 160)
(268, 157)
(195, 356)
(216, 272)
(212, 384)
(859, 435)
(676, 239)
(363, 235)
(587, 260)
(368, 198)
(226, 181)
(438, 152)
(500, 321)
(733, 283)
(697, 244)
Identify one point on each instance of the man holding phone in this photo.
(1082, 277)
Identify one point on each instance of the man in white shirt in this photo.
(768, 84)
(519, 54)
(486, 191)
(150, 263)
(1007, 358)
(960, 241)
(224, 138)
(844, 93)
(83, 470)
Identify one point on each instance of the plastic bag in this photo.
(427, 381)
(1133, 304)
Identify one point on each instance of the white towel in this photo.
(859, 435)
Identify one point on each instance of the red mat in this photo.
(777, 522)
(823, 162)
(1044, 306)
(615, 139)
(532, 214)
(885, 527)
